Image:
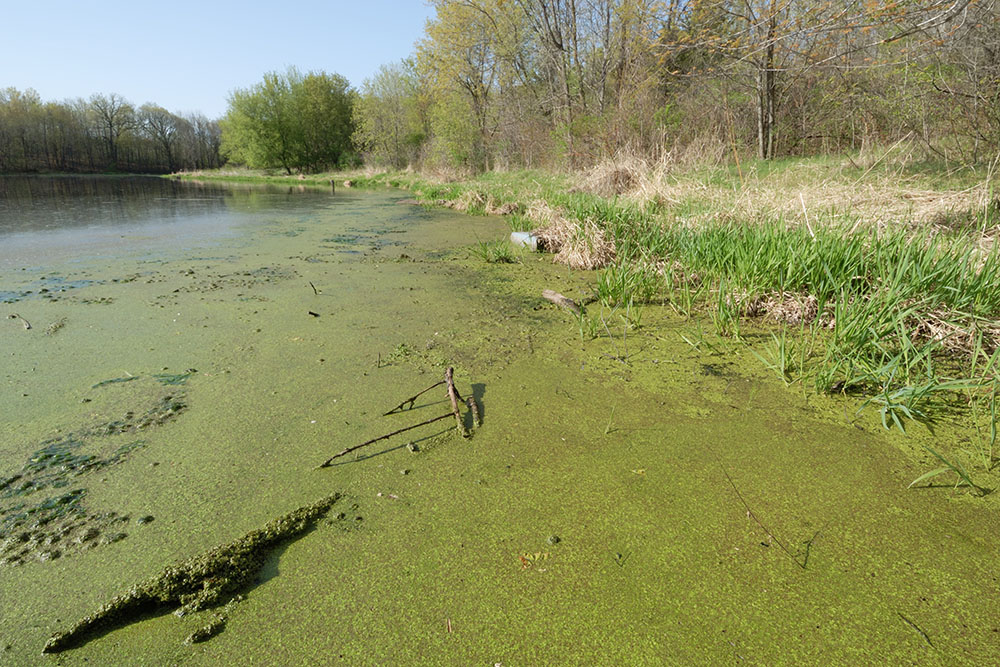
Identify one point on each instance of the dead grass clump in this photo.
(579, 245)
(470, 200)
(792, 308)
(783, 307)
(587, 247)
(617, 176)
(494, 207)
(955, 337)
(542, 214)
(705, 149)
(556, 231)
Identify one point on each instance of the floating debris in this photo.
(115, 381)
(195, 584)
(206, 632)
(55, 326)
(25, 322)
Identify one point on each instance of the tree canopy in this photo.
(102, 133)
(295, 121)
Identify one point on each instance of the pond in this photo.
(196, 351)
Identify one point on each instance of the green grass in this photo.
(494, 252)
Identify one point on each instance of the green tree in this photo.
(388, 116)
(323, 104)
(292, 121)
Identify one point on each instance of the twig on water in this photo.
(917, 628)
(411, 400)
(455, 398)
(382, 437)
(315, 291)
(750, 514)
(15, 316)
(453, 395)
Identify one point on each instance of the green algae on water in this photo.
(198, 583)
(60, 524)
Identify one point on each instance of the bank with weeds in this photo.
(894, 298)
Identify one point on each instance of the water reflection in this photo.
(47, 217)
(35, 203)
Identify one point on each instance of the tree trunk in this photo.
(766, 92)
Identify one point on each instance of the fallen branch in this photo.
(560, 300)
(474, 407)
(411, 400)
(382, 437)
(453, 396)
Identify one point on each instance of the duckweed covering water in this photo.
(59, 525)
(601, 437)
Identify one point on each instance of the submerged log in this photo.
(560, 300)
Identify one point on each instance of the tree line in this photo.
(567, 83)
(511, 83)
(102, 133)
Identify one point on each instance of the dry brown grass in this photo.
(579, 245)
(790, 308)
(812, 191)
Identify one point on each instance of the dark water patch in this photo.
(29, 204)
(174, 378)
(244, 280)
(47, 287)
(346, 239)
(60, 524)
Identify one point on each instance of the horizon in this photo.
(187, 60)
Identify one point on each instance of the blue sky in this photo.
(187, 56)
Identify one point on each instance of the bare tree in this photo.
(114, 115)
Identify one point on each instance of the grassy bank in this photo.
(240, 175)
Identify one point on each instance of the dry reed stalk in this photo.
(468, 200)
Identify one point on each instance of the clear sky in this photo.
(187, 55)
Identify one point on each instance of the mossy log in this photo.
(198, 583)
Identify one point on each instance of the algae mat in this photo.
(593, 518)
